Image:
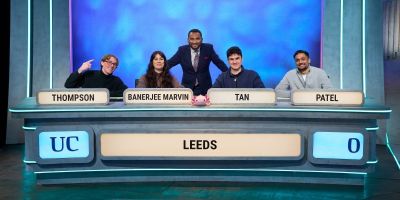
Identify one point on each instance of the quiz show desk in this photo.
(120, 142)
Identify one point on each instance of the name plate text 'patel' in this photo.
(196, 145)
(241, 96)
(327, 97)
(98, 96)
(158, 96)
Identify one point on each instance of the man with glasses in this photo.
(86, 78)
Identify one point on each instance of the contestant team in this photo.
(195, 59)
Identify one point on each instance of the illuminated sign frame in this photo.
(335, 161)
(86, 129)
(196, 131)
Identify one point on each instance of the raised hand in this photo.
(85, 66)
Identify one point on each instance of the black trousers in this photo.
(198, 91)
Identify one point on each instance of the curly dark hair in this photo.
(151, 75)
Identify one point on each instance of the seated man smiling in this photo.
(103, 78)
(304, 76)
(237, 76)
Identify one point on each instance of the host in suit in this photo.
(195, 60)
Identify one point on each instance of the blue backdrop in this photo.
(267, 31)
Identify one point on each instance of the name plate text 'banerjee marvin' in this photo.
(96, 96)
(327, 97)
(222, 96)
(201, 145)
(158, 96)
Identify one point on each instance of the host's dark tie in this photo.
(196, 64)
(196, 61)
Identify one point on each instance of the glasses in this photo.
(110, 62)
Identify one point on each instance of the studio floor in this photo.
(17, 183)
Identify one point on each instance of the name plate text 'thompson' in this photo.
(327, 97)
(241, 96)
(73, 96)
(206, 145)
(158, 96)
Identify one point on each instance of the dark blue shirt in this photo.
(245, 79)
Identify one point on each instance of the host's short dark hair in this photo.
(195, 30)
(234, 50)
(301, 51)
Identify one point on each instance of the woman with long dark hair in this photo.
(157, 75)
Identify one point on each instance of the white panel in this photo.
(391, 29)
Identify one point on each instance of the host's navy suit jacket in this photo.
(207, 54)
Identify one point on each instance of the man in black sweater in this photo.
(86, 78)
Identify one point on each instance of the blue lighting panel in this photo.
(64, 144)
(338, 145)
(268, 32)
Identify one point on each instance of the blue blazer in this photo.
(207, 54)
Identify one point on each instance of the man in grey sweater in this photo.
(303, 77)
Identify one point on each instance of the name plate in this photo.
(327, 97)
(241, 96)
(158, 96)
(97, 96)
(264, 146)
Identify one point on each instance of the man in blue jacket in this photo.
(195, 59)
(237, 76)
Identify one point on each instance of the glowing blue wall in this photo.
(43, 75)
(268, 32)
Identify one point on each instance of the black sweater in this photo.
(96, 79)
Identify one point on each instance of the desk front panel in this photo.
(191, 131)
